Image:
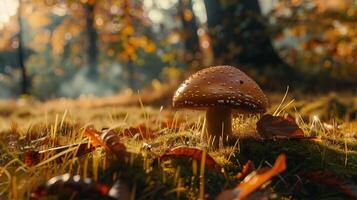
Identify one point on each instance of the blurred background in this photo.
(69, 48)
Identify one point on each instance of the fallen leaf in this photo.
(254, 181)
(74, 185)
(32, 158)
(112, 140)
(94, 137)
(328, 178)
(256, 195)
(171, 124)
(191, 152)
(107, 139)
(142, 130)
(248, 167)
(272, 126)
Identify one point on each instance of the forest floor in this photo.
(41, 140)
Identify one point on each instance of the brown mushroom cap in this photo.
(220, 86)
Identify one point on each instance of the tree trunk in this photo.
(25, 82)
(214, 22)
(130, 71)
(189, 32)
(92, 50)
(240, 37)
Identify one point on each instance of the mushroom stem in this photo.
(218, 124)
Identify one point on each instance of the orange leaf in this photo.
(255, 180)
(171, 124)
(93, 135)
(247, 169)
(271, 126)
(191, 152)
(143, 131)
(107, 139)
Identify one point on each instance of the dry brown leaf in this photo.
(94, 137)
(32, 158)
(328, 178)
(275, 126)
(113, 142)
(191, 152)
(107, 139)
(141, 129)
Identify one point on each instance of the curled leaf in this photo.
(94, 137)
(254, 181)
(107, 139)
(248, 167)
(191, 152)
(112, 140)
(275, 126)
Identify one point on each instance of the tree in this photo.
(240, 36)
(127, 39)
(25, 84)
(328, 46)
(92, 39)
(189, 32)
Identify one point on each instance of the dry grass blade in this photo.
(32, 158)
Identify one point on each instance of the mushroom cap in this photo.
(220, 86)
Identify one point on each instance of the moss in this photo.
(302, 157)
(306, 155)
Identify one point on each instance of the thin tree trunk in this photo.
(48, 52)
(191, 42)
(214, 21)
(238, 23)
(130, 70)
(92, 41)
(24, 82)
(255, 37)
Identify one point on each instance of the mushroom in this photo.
(220, 90)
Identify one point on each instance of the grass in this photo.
(27, 124)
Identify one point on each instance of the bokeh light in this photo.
(8, 8)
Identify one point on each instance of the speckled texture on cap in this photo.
(220, 86)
